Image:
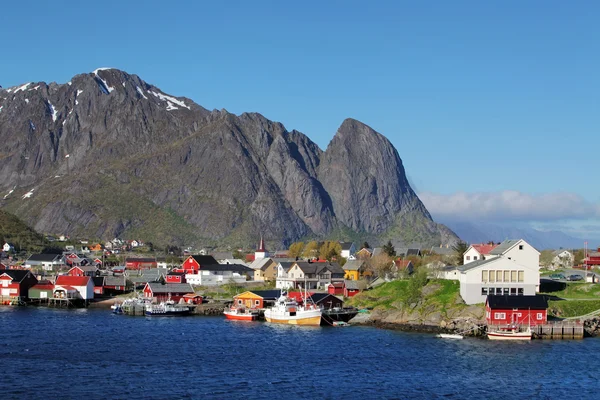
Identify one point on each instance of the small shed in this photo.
(351, 288)
(336, 288)
(41, 291)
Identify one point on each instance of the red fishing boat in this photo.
(241, 314)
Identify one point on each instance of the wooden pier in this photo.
(558, 330)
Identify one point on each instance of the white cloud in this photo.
(509, 205)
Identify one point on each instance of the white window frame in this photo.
(540, 315)
(499, 315)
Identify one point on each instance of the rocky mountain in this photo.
(108, 154)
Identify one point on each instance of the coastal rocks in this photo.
(592, 326)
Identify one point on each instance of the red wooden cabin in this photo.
(336, 288)
(516, 310)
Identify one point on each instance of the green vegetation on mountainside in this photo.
(572, 308)
(17, 233)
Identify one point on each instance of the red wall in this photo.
(350, 292)
(175, 279)
(527, 317)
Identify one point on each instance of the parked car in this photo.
(557, 276)
(575, 277)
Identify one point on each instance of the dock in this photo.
(559, 330)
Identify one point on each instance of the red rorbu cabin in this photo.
(175, 277)
(336, 288)
(193, 264)
(593, 258)
(516, 310)
(140, 263)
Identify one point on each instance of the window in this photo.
(499, 315)
(468, 258)
(492, 276)
(498, 291)
(518, 314)
(484, 291)
(484, 276)
(520, 291)
(513, 276)
(506, 276)
(513, 292)
(498, 276)
(239, 301)
(539, 315)
(474, 258)
(505, 291)
(520, 247)
(521, 276)
(257, 302)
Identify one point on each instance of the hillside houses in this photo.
(309, 275)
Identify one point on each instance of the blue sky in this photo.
(481, 99)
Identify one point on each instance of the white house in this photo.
(514, 270)
(7, 247)
(220, 274)
(477, 252)
(562, 259)
(82, 285)
(348, 249)
(48, 262)
(308, 275)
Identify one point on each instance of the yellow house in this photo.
(257, 298)
(354, 270)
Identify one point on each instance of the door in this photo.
(515, 318)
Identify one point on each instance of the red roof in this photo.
(484, 248)
(67, 287)
(72, 280)
(249, 257)
(402, 263)
(44, 286)
(337, 284)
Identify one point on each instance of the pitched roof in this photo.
(352, 285)
(17, 275)
(402, 263)
(377, 251)
(267, 294)
(346, 245)
(43, 286)
(354, 265)
(413, 252)
(114, 281)
(205, 260)
(45, 257)
(286, 265)
(502, 247)
(72, 280)
(86, 268)
(98, 280)
(140, 259)
(227, 267)
(260, 263)
(157, 287)
(483, 248)
(475, 264)
(319, 298)
(534, 302)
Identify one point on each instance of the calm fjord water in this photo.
(79, 354)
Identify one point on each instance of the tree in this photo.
(379, 265)
(366, 245)
(389, 249)
(311, 250)
(238, 254)
(296, 249)
(546, 258)
(578, 256)
(459, 249)
(330, 250)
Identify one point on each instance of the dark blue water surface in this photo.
(73, 354)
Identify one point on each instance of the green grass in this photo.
(573, 308)
(392, 295)
(578, 291)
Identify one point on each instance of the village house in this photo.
(257, 298)
(265, 269)
(175, 277)
(136, 263)
(168, 291)
(514, 271)
(219, 274)
(15, 285)
(336, 288)
(403, 266)
(516, 310)
(477, 252)
(193, 264)
(7, 247)
(348, 249)
(355, 269)
(308, 275)
(592, 259)
(562, 259)
(98, 285)
(48, 262)
(42, 291)
(364, 254)
(327, 300)
(83, 270)
(78, 287)
(114, 285)
(352, 288)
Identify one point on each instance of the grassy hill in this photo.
(18, 234)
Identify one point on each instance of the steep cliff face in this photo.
(108, 154)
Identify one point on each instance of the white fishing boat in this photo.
(510, 333)
(167, 308)
(288, 311)
(450, 336)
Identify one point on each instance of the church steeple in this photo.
(261, 245)
(261, 252)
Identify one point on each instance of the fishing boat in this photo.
(450, 336)
(117, 308)
(510, 332)
(241, 314)
(339, 314)
(288, 311)
(167, 308)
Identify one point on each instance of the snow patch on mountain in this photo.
(141, 92)
(9, 193)
(27, 101)
(107, 89)
(170, 106)
(22, 88)
(166, 98)
(53, 111)
(28, 194)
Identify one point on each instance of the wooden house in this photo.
(137, 263)
(405, 266)
(172, 291)
(351, 288)
(516, 310)
(364, 253)
(98, 285)
(193, 264)
(175, 277)
(48, 262)
(115, 284)
(257, 298)
(83, 285)
(327, 300)
(41, 291)
(192, 298)
(15, 284)
(83, 270)
(354, 269)
(336, 288)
